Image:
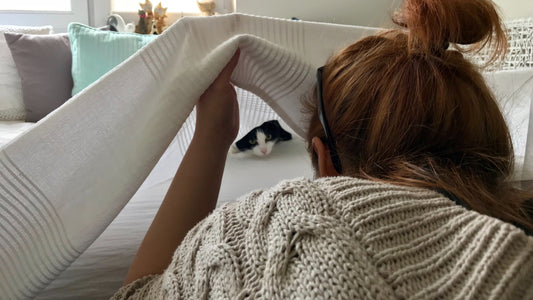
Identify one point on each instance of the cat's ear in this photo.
(241, 144)
(284, 135)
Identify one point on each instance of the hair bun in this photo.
(434, 23)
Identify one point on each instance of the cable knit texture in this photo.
(345, 238)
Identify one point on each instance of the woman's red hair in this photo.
(405, 110)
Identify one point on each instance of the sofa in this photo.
(46, 70)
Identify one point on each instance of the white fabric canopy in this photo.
(64, 180)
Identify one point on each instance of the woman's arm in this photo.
(194, 191)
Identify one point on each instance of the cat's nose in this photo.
(264, 151)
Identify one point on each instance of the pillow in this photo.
(95, 52)
(513, 90)
(11, 104)
(43, 63)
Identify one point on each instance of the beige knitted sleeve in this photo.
(147, 287)
(180, 279)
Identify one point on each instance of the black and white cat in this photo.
(262, 139)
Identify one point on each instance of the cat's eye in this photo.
(269, 137)
(252, 141)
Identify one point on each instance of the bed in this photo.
(100, 269)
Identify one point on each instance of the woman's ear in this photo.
(325, 165)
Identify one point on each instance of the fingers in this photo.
(225, 74)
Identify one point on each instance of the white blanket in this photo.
(63, 181)
(9, 130)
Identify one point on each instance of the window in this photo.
(58, 13)
(36, 5)
(174, 6)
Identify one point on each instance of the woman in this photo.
(412, 155)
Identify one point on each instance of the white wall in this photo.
(514, 9)
(90, 12)
(59, 20)
(354, 12)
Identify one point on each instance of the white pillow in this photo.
(11, 104)
(513, 90)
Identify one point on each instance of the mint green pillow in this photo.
(95, 52)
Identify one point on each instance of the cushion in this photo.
(43, 63)
(11, 104)
(95, 52)
(513, 90)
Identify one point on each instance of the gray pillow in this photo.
(44, 65)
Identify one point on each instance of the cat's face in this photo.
(262, 144)
(261, 139)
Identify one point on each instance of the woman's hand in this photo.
(217, 111)
(194, 191)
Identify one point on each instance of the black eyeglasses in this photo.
(322, 116)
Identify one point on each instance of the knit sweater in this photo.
(345, 238)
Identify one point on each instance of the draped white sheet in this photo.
(64, 180)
